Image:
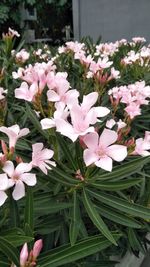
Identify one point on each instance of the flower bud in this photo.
(37, 248)
(24, 255)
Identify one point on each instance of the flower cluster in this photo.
(133, 96)
(14, 172)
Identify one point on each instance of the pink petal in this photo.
(3, 197)
(66, 129)
(19, 190)
(3, 181)
(89, 100)
(89, 157)
(107, 137)
(37, 147)
(105, 163)
(29, 178)
(23, 167)
(23, 132)
(117, 152)
(52, 96)
(47, 154)
(9, 168)
(91, 140)
(101, 111)
(47, 123)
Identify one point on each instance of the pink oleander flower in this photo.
(41, 157)
(2, 91)
(22, 55)
(142, 145)
(14, 133)
(19, 176)
(26, 92)
(133, 110)
(13, 32)
(61, 112)
(82, 116)
(24, 255)
(100, 150)
(59, 89)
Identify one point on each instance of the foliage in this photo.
(80, 211)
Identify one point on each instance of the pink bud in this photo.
(4, 147)
(37, 248)
(24, 255)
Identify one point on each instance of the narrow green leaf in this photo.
(124, 170)
(116, 186)
(18, 240)
(116, 216)
(121, 204)
(9, 250)
(134, 241)
(29, 216)
(33, 118)
(65, 148)
(75, 220)
(96, 219)
(66, 254)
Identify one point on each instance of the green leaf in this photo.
(124, 170)
(29, 216)
(65, 148)
(18, 240)
(116, 186)
(121, 204)
(116, 216)
(33, 118)
(66, 254)
(75, 220)
(134, 241)
(9, 250)
(96, 219)
(51, 207)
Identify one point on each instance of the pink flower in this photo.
(19, 176)
(22, 55)
(13, 32)
(81, 118)
(142, 145)
(61, 112)
(26, 92)
(37, 248)
(133, 110)
(41, 157)
(14, 133)
(100, 150)
(24, 255)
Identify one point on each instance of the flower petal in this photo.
(29, 178)
(3, 181)
(23, 167)
(105, 163)
(8, 168)
(89, 157)
(19, 190)
(107, 137)
(117, 152)
(3, 197)
(91, 140)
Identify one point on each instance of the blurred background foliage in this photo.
(52, 15)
